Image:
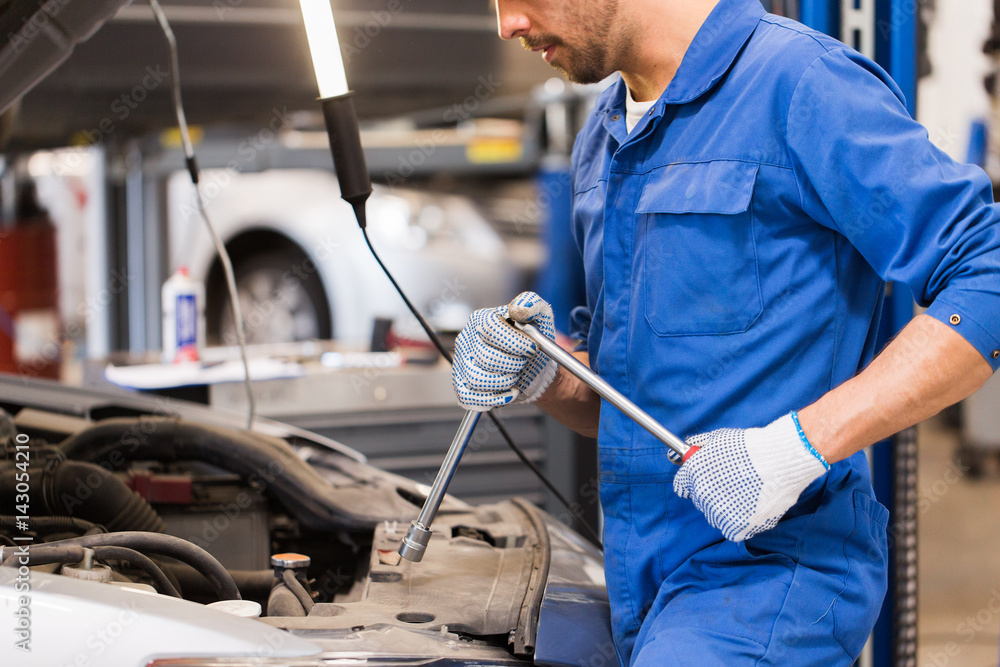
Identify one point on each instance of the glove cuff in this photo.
(805, 441)
(784, 449)
(539, 384)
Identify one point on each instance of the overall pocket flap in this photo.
(717, 186)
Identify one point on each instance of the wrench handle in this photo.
(680, 451)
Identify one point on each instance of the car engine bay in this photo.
(301, 536)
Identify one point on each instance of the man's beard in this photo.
(588, 65)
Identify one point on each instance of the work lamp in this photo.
(337, 102)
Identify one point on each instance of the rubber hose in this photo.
(165, 563)
(300, 592)
(167, 545)
(45, 554)
(46, 525)
(140, 562)
(282, 602)
(83, 490)
(253, 584)
(256, 583)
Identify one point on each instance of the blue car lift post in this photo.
(894, 462)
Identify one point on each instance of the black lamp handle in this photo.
(348, 157)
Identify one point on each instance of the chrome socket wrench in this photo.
(679, 450)
(414, 544)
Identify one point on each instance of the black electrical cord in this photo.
(503, 430)
(191, 162)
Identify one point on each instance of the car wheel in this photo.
(282, 298)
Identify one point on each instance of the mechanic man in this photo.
(740, 195)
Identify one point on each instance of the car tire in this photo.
(282, 297)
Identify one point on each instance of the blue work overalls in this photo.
(735, 246)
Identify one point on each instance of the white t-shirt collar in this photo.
(634, 111)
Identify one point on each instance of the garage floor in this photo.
(959, 556)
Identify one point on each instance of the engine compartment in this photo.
(186, 510)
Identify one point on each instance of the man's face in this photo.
(574, 36)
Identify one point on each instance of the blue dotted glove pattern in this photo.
(744, 480)
(494, 363)
(721, 481)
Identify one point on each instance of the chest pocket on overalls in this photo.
(698, 251)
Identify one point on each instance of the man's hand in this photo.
(495, 364)
(744, 481)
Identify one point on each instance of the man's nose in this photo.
(512, 22)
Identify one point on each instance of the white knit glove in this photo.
(744, 481)
(495, 364)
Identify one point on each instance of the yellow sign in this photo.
(494, 149)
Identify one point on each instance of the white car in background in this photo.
(303, 270)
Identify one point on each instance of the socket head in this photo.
(414, 544)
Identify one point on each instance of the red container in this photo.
(30, 337)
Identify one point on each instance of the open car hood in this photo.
(41, 35)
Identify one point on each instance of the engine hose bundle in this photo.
(140, 562)
(63, 488)
(165, 545)
(44, 554)
(308, 497)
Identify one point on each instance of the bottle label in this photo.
(187, 321)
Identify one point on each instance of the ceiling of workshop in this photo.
(243, 59)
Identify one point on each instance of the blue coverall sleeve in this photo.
(579, 327)
(869, 171)
(581, 316)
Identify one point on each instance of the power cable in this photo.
(496, 421)
(192, 167)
